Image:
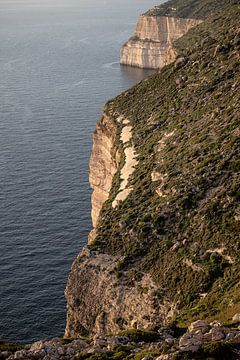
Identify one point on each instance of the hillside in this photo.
(164, 170)
(190, 8)
(159, 278)
(152, 43)
(181, 221)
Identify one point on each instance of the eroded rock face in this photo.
(151, 45)
(99, 302)
(103, 164)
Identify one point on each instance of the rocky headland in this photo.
(159, 277)
(164, 248)
(151, 46)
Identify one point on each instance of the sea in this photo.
(59, 64)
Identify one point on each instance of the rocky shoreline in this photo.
(200, 339)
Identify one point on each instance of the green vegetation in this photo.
(69, 340)
(142, 354)
(190, 8)
(185, 122)
(87, 356)
(121, 353)
(212, 351)
(136, 335)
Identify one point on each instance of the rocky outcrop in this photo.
(202, 340)
(162, 249)
(103, 165)
(100, 301)
(151, 46)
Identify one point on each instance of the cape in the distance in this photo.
(159, 278)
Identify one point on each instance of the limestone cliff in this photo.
(100, 302)
(151, 46)
(111, 302)
(166, 201)
(103, 165)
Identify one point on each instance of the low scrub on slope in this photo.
(181, 221)
(200, 9)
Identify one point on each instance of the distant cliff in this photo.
(151, 46)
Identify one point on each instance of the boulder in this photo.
(78, 344)
(170, 340)
(215, 323)
(100, 342)
(236, 318)
(217, 334)
(199, 325)
(181, 61)
(189, 344)
(37, 345)
(37, 354)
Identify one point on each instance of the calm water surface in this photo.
(58, 65)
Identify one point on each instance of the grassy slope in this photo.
(190, 8)
(200, 102)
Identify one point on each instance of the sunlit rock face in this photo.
(151, 46)
(99, 302)
(103, 165)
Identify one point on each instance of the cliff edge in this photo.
(165, 166)
(151, 46)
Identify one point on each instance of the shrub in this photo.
(136, 335)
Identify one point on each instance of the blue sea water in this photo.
(58, 66)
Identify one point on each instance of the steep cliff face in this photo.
(151, 46)
(111, 303)
(103, 165)
(169, 248)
